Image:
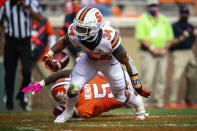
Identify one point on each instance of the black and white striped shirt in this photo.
(18, 20)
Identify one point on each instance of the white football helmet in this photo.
(87, 23)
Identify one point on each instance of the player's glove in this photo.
(61, 97)
(143, 92)
(35, 87)
(137, 85)
(49, 64)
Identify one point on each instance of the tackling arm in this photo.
(48, 80)
(122, 56)
(56, 75)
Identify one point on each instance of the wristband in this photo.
(50, 53)
(42, 83)
(136, 81)
(152, 48)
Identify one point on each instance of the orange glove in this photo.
(137, 85)
(143, 92)
(49, 64)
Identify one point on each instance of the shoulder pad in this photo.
(111, 36)
(116, 40)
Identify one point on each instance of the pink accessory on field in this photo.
(58, 110)
(34, 87)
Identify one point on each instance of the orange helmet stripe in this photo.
(83, 13)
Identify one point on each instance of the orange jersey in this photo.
(95, 98)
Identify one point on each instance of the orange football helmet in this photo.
(59, 90)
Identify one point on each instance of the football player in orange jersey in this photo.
(94, 99)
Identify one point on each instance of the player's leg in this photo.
(135, 100)
(116, 78)
(83, 72)
(118, 83)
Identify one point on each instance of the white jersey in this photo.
(102, 47)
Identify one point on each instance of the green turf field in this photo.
(119, 119)
(122, 119)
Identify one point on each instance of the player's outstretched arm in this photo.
(48, 80)
(122, 56)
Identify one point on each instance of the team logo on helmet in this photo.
(87, 23)
(59, 90)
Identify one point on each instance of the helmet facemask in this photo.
(83, 30)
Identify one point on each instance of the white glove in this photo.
(61, 97)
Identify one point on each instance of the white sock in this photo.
(136, 102)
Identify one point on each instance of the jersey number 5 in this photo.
(104, 91)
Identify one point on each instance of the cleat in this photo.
(141, 116)
(61, 119)
(65, 116)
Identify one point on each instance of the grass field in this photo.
(115, 120)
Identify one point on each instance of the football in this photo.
(60, 59)
(60, 86)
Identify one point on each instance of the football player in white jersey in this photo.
(103, 52)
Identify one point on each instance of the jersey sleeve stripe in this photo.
(84, 13)
(115, 40)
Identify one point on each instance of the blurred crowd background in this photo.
(123, 15)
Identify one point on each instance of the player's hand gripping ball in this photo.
(60, 60)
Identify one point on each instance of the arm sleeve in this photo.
(118, 50)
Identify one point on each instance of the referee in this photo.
(17, 15)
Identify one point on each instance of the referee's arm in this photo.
(34, 14)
